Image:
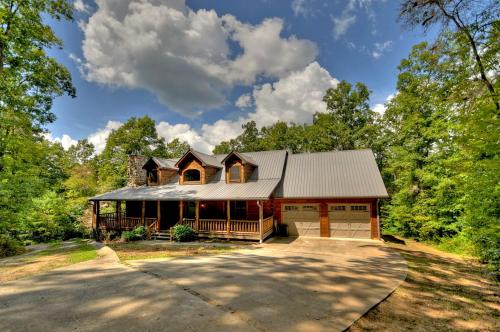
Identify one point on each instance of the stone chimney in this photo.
(136, 175)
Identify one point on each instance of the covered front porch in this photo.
(229, 219)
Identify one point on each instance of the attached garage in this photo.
(345, 187)
(349, 220)
(302, 219)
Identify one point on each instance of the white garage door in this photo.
(302, 219)
(349, 220)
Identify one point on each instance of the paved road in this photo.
(305, 284)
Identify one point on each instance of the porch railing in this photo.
(236, 226)
(267, 225)
(245, 226)
(189, 222)
(213, 225)
(112, 221)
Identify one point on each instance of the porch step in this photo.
(162, 236)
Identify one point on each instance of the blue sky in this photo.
(202, 68)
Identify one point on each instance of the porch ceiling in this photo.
(253, 190)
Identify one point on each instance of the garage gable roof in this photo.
(335, 174)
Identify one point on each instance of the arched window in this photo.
(192, 175)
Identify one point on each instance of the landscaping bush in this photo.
(10, 247)
(183, 233)
(139, 233)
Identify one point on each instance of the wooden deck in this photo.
(232, 229)
(215, 228)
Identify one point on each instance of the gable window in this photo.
(192, 175)
(153, 176)
(238, 210)
(234, 173)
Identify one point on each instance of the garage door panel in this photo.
(349, 220)
(308, 228)
(302, 219)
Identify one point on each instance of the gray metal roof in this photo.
(254, 190)
(336, 174)
(165, 163)
(243, 157)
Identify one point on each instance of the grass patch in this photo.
(55, 256)
(442, 292)
(134, 251)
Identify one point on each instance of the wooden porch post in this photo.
(143, 213)
(158, 215)
(118, 212)
(181, 211)
(228, 215)
(261, 218)
(98, 217)
(94, 215)
(197, 216)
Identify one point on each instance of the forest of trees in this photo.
(437, 144)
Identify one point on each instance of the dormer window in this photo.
(234, 173)
(192, 175)
(152, 176)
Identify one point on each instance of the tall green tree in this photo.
(349, 122)
(470, 19)
(419, 131)
(137, 136)
(29, 81)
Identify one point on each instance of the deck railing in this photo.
(267, 225)
(112, 221)
(236, 226)
(244, 228)
(189, 222)
(213, 225)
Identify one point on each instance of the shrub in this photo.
(183, 233)
(10, 247)
(139, 233)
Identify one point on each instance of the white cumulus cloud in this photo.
(380, 108)
(244, 101)
(183, 56)
(99, 137)
(65, 140)
(81, 6)
(184, 132)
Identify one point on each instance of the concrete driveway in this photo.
(283, 285)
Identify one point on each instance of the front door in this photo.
(169, 214)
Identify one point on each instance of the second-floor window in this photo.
(192, 175)
(234, 173)
(153, 176)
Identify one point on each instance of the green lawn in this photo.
(55, 256)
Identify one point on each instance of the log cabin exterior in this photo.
(248, 195)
